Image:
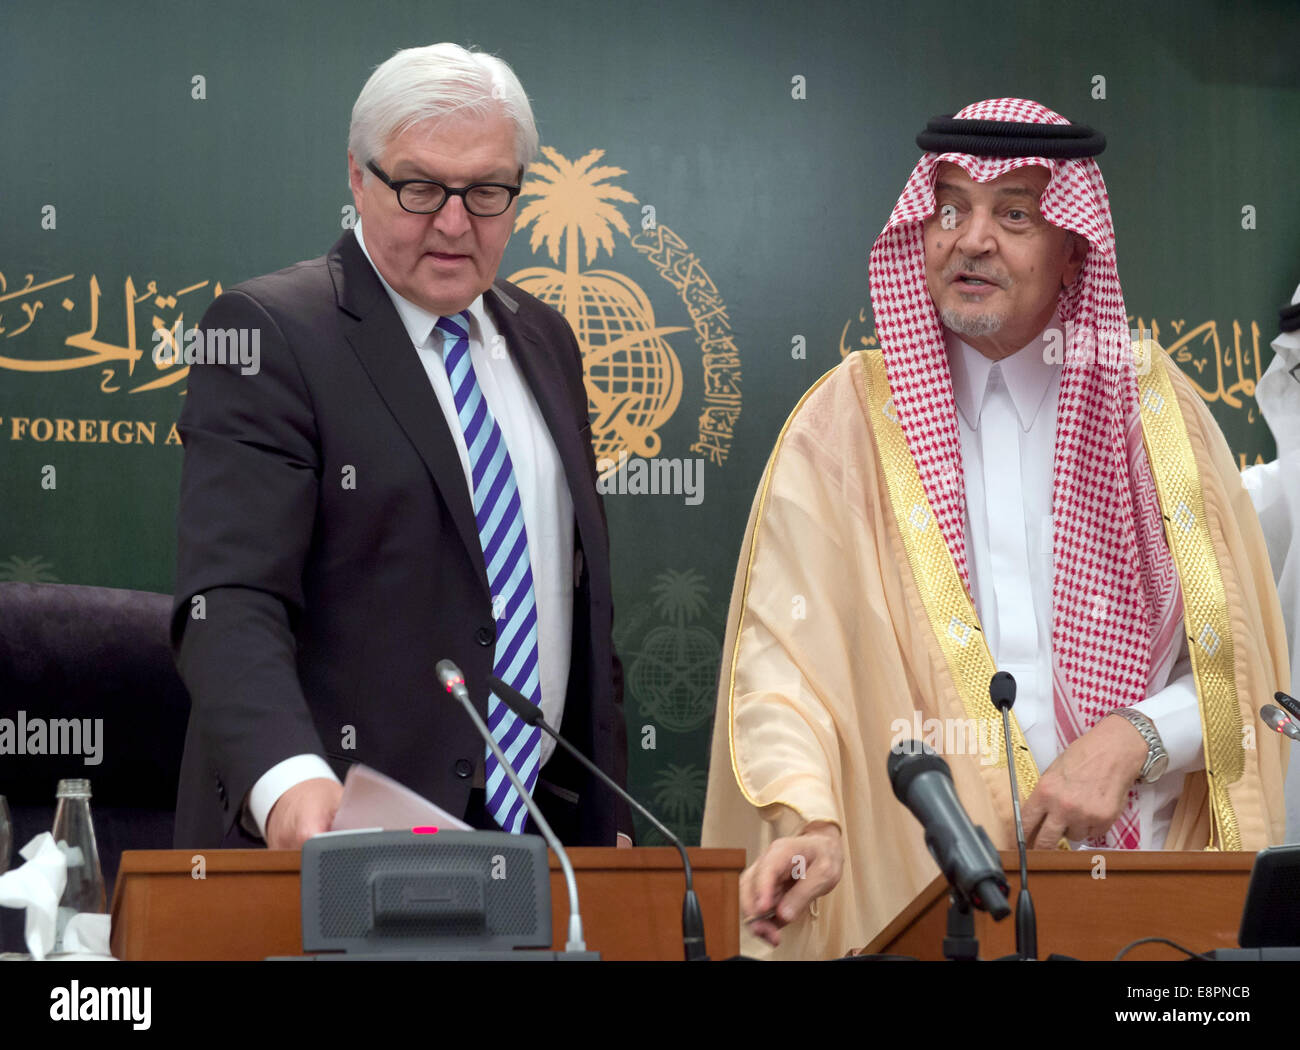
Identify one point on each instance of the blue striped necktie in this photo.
(501, 532)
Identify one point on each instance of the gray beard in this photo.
(977, 326)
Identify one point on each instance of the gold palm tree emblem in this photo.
(633, 377)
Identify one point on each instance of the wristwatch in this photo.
(1157, 757)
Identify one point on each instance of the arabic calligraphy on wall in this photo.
(122, 363)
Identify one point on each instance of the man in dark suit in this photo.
(404, 474)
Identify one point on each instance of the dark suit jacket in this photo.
(325, 608)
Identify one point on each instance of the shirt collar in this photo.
(418, 321)
(1027, 375)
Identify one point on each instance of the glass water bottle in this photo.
(74, 832)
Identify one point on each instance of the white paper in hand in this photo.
(372, 800)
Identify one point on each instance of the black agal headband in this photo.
(1288, 318)
(1007, 138)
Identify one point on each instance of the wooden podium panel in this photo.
(248, 907)
(1192, 898)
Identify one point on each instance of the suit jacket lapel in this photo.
(540, 366)
(384, 348)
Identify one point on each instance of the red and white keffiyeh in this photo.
(1116, 600)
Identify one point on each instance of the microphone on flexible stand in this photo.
(1289, 702)
(692, 918)
(454, 682)
(1002, 691)
(1277, 719)
(922, 781)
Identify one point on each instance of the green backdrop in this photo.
(759, 148)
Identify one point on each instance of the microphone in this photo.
(449, 675)
(1002, 691)
(922, 781)
(692, 917)
(1276, 718)
(1291, 704)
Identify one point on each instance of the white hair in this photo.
(980, 325)
(424, 83)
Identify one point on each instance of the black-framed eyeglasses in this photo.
(426, 196)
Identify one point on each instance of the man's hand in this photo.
(1084, 791)
(306, 809)
(790, 875)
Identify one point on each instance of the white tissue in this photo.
(37, 886)
(87, 933)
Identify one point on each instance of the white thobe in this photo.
(1006, 414)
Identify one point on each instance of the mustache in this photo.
(976, 269)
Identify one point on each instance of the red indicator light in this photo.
(427, 829)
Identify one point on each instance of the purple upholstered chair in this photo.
(74, 652)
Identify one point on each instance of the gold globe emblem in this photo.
(633, 377)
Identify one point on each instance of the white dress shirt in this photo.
(543, 495)
(1006, 414)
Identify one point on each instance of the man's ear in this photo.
(1076, 248)
(356, 180)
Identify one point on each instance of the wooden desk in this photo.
(1193, 898)
(248, 905)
